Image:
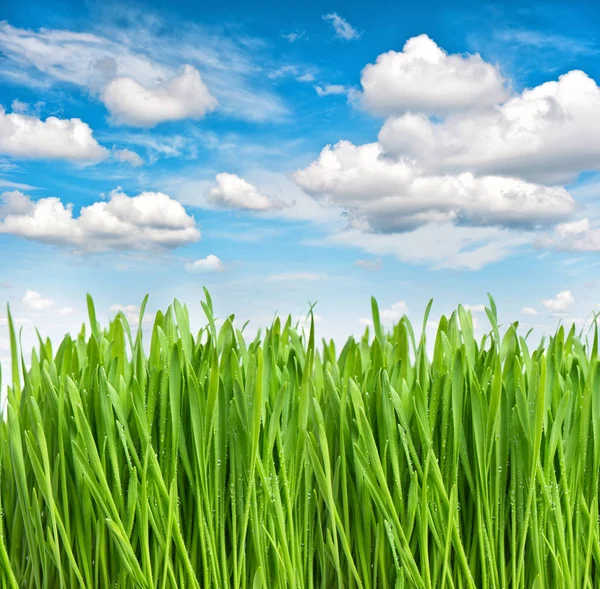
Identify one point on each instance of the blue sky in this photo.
(285, 154)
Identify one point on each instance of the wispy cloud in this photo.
(523, 50)
(547, 41)
(342, 28)
(299, 72)
(230, 66)
(294, 36)
(4, 183)
(160, 145)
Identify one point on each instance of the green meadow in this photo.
(210, 461)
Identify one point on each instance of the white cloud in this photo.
(371, 265)
(394, 313)
(424, 78)
(547, 134)
(483, 174)
(18, 185)
(128, 156)
(181, 97)
(284, 70)
(149, 52)
(295, 36)
(389, 316)
(234, 192)
(545, 41)
(66, 311)
(294, 277)
(160, 145)
(78, 58)
(436, 245)
(561, 302)
(529, 311)
(289, 201)
(25, 108)
(331, 89)
(397, 195)
(343, 29)
(293, 71)
(14, 202)
(19, 106)
(35, 302)
(29, 137)
(576, 236)
(148, 220)
(209, 264)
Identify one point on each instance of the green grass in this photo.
(215, 462)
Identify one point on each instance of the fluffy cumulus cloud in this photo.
(146, 221)
(424, 78)
(547, 134)
(560, 303)
(29, 137)
(183, 96)
(209, 264)
(461, 159)
(576, 236)
(396, 195)
(35, 302)
(231, 191)
(14, 202)
(529, 311)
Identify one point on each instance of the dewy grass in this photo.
(213, 462)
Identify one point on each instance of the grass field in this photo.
(215, 462)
